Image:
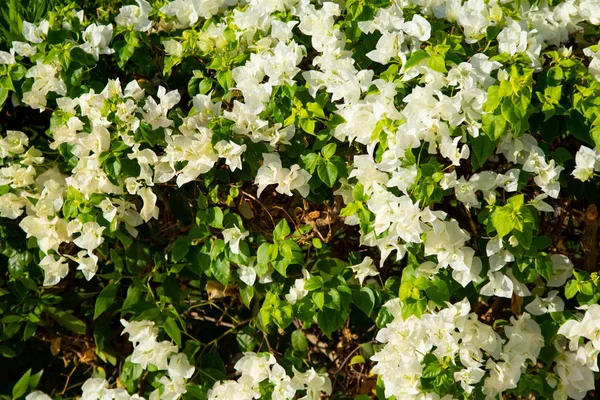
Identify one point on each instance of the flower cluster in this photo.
(147, 350)
(421, 150)
(460, 344)
(259, 369)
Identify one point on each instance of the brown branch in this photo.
(589, 240)
(68, 379)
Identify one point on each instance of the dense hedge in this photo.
(287, 199)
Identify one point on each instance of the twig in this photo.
(261, 204)
(68, 379)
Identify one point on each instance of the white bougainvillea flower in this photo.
(149, 209)
(551, 303)
(313, 382)
(539, 203)
(91, 236)
(94, 388)
(297, 292)
(365, 268)
(54, 268)
(11, 205)
(587, 161)
(38, 395)
(88, 263)
(499, 285)
(180, 367)
(562, 269)
(35, 34)
(173, 48)
(594, 66)
(139, 331)
(137, 16)
(272, 172)
(233, 236)
(24, 49)
(7, 58)
(247, 274)
(231, 152)
(418, 28)
(97, 39)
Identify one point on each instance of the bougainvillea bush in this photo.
(285, 199)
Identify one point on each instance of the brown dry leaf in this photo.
(516, 303)
(314, 215)
(217, 290)
(55, 346)
(367, 386)
(591, 213)
(311, 337)
(89, 356)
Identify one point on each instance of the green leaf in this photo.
(134, 295)
(543, 265)
(275, 311)
(246, 293)
(587, 288)
(202, 202)
(571, 289)
(137, 257)
(511, 112)
(493, 101)
(152, 136)
(22, 385)
(414, 307)
(308, 125)
(180, 249)
(105, 299)
(330, 320)
(225, 79)
(494, 125)
(328, 173)
(3, 95)
(319, 299)
(215, 218)
(333, 299)
(503, 222)
(415, 59)
(34, 381)
(578, 127)
(438, 292)
(67, 320)
(328, 151)
(554, 76)
(6, 83)
(123, 52)
(316, 110)
(365, 300)
(481, 149)
(247, 339)
(282, 230)
(220, 270)
(281, 266)
(437, 63)
(80, 56)
(313, 283)
(391, 73)
(432, 369)
(299, 342)
(173, 330)
(310, 161)
(262, 254)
